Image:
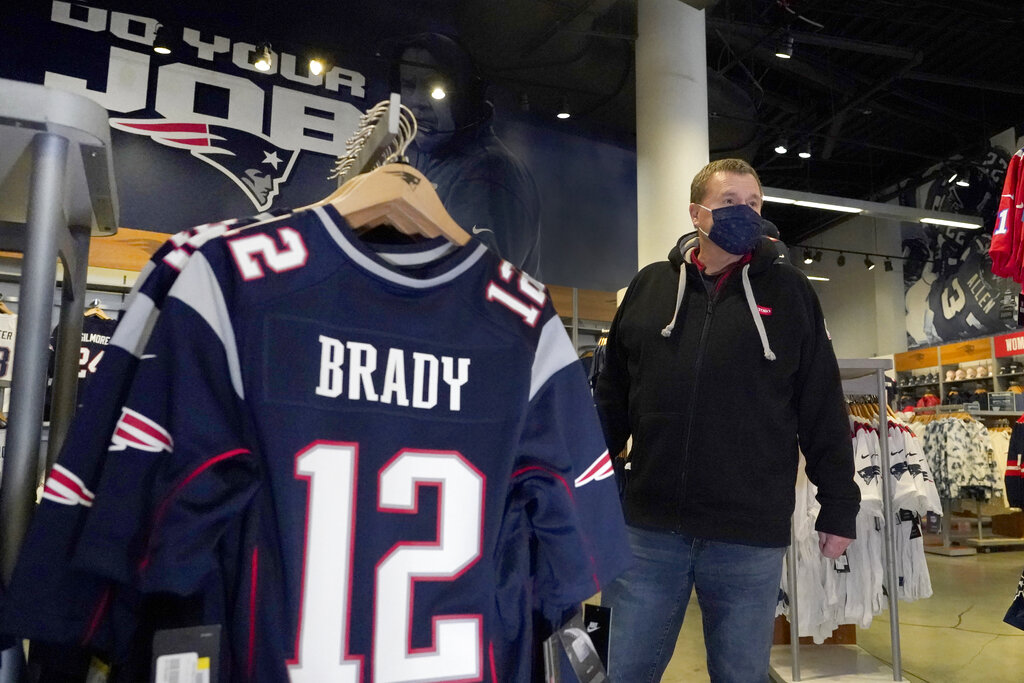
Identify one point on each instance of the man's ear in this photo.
(694, 212)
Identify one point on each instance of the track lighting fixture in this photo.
(162, 40)
(563, 109)
(438, 92)
(868, 263)
(316, 66)
(841, 261)
(888, 265)
(817, 256)
(805, 150)
(784, 50)
(808, 258)
(781, 146)
(262, 58)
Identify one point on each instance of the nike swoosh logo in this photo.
(477, 231)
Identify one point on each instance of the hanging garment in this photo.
(427, 396)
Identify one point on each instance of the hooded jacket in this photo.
(718, 380)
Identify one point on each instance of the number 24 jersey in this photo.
(412, 434)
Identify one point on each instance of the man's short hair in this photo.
(699, 186)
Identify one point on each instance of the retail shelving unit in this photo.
(56, 191)
(849, 662)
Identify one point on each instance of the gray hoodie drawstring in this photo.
(680, 289)
(768, 353)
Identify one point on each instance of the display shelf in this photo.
(830, 663)
(991, 543)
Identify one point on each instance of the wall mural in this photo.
(203, 135)
(951, 293)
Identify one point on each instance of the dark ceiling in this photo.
(882, 90)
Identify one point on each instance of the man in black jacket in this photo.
(718, 365)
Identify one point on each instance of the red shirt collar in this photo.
(695, 256)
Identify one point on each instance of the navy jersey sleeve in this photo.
(50, 600)
(180, 461)
(566, 470)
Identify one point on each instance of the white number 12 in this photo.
(322, 643)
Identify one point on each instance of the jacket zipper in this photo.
(701, 344)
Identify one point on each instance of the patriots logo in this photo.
(898, 470)
(251, 160)
(409, 178)
(65, 488)
(599, 469)
(135, 430)
(870, 472)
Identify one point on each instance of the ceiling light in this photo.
(781, 147)
(162, 40)
(951, 224)
(563, 110)
(784, 50)
(805, 150)
(817, 256)
(827, 207)
(262, 58)
(841, 261)
(888, 265)
(778, 200)
(316, 66)
(963, 182)
(868, 263)
(952, 178)
(808, 258)
(438, 93)
(819, 278)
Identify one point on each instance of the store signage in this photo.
(230, 121)
(1009, 344)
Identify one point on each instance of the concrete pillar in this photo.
(671, 121)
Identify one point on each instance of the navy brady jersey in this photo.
(50, 601)
(402, 442)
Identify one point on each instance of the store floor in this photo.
(955, 636)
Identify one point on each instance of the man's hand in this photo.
(832, 546)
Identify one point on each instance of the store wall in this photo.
(864, 310)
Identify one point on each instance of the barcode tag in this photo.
(179, 668)
(186, 655)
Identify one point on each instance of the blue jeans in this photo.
(737, 589)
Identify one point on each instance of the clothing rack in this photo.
(947, 548)
(56, 191)
(861, 376)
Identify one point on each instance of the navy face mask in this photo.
(736, 229)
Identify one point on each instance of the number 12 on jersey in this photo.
(322, 642)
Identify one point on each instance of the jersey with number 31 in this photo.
(413, 432)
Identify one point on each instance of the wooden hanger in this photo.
(3, 308)
(96, 311)
(397, 195)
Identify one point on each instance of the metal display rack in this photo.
(56, 191)
(849, 662)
